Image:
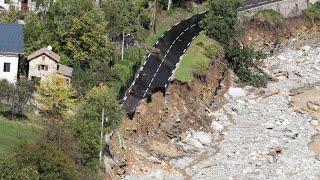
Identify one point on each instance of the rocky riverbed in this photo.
(258, 133)
(270, 139)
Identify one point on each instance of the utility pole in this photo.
(122, 48)
(169, 4)
(101, 135)
(154, 17)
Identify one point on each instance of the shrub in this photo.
(313, 11)
(241, 61)
(269, 17)
(15, 97)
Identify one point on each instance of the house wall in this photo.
(17, 5)
(43, 74)
(289, 8)
(14, 63)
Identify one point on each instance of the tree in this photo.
(221, 21)
(88, 119)
(56, 96)
(48, 160)
(15, 96)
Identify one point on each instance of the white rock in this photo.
(236, 92)
(285, 122)
(195, 143)
(282, 58)
(216, 126)
(203, 138)
(306, 48)
(314, 122)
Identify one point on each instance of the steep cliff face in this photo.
(158, 131)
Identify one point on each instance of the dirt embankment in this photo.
(295, 32)
(152, 138)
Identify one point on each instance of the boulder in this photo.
(217, 126)
(195, 143)
(204, 138)
(314, 106)
(282, 58)
(314, 122)
(236, 92)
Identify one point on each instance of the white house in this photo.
(18, 5)
(11, 46)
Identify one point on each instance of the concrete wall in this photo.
(43, 74)
(14, 63)
(289, 8)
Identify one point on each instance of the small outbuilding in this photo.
(44, 62)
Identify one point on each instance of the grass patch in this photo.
(13, 133)
(269, 17)
(313, 11)
(196, 59)
(166, 19)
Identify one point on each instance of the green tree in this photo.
(40, 160)
(15, 96)
(88, 121)
(56, 96)
(221, 22)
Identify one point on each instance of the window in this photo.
(6, 67)
(43, 67)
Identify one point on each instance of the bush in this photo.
(40, 160)
(15, 97)
(313, 11)
(241, 60)
(269, 17)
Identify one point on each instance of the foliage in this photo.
(313, 11)
(9, 17)
(221, 21)
(56, 96)
(196, 59)
(221, 24)
(269, 17)
(39, 160)
(15, 96)
(241, 61)
(99, 98)
(88, 120)
(10, 170)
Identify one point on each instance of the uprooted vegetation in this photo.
(313, 11)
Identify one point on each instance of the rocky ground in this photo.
(246, 133)
(269, 139)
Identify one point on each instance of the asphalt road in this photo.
(160, 65)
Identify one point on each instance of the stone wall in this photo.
(289, 8)
(43, 74)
